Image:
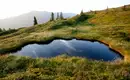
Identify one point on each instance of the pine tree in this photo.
(81, 12)
(0, 30)
(3, 30)
(95, 12)
(107, 9)
(52, 17)
(35, 21)
(10, 29)
(58, 16)
(61, 16)
(124, 7)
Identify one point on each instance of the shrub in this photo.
(82, 18)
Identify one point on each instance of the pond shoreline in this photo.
(7, 51)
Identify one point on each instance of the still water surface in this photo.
(82, 48)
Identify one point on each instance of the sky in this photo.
(10, 8)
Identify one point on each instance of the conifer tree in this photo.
(124, 7)
(81, 12)
(52, 17)
(107, 9)
(35, 21)
(3, 29)
(10, 29)
(58, 16)
(0, 30)
(95, 12)
(61, 16)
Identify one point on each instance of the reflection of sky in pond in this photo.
(91, 50)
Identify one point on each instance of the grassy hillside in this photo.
(112, 16)
(110, 26)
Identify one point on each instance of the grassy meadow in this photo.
(61, 68)
(110, 26)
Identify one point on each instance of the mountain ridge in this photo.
(26, 19)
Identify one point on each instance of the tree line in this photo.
(59, 16)
(52, 18)
(6, 31)
(3, 30)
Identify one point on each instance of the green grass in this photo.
(116, 36)
(61, 68)
(113, 16)
(110, 26)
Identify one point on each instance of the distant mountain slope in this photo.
(26, 20)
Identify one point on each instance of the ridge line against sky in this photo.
(10, 8)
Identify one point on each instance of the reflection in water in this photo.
(81, 48)
(70, 48)
(68, 45)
